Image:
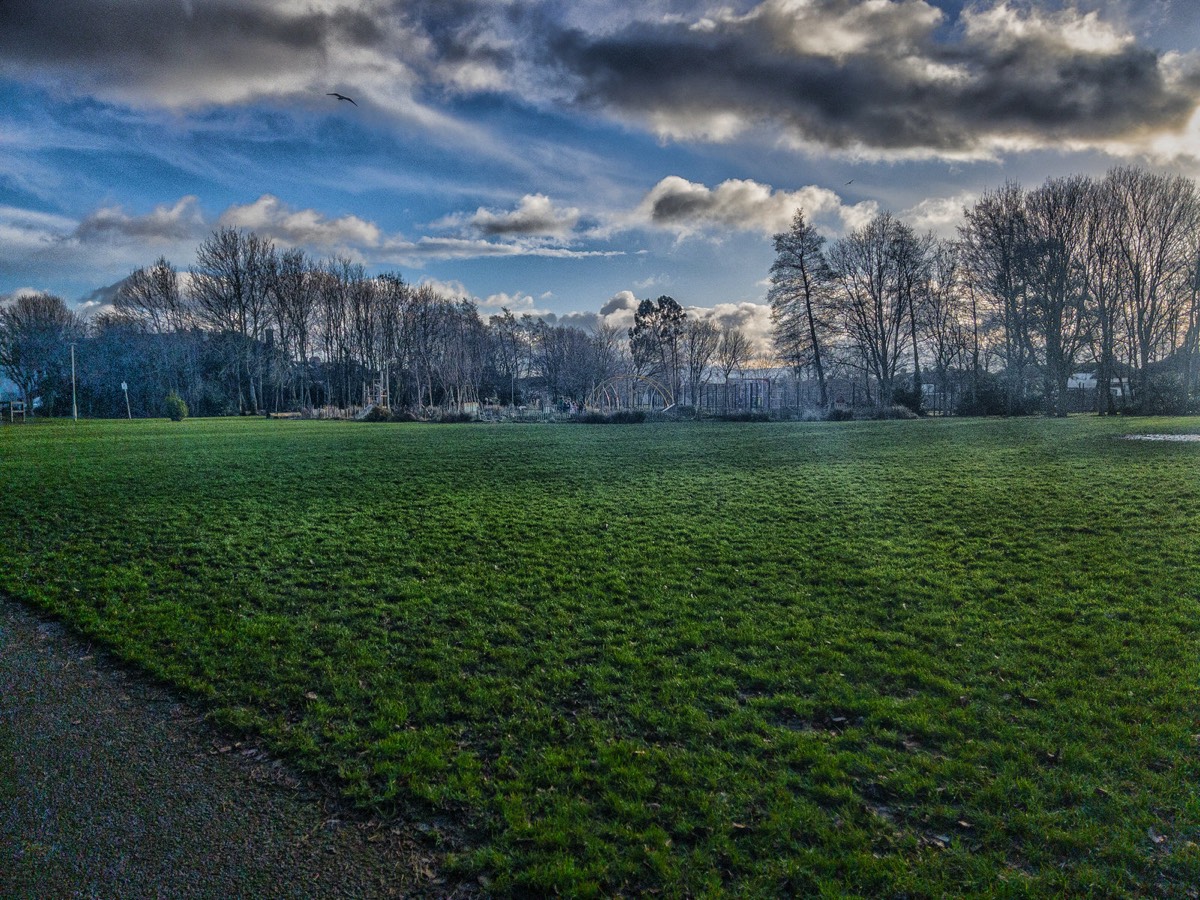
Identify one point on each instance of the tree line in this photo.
(1080, 274)
(252, 329)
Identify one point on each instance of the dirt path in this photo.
(110, 787)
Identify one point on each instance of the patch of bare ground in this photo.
(112, 786)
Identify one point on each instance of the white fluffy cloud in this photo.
(686, 207)
(754, 319)
(941, 215)
(271, 217)
(534, 216)
(1006, 27)
(180, 220)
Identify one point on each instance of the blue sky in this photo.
(555, 157)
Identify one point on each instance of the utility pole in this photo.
(74, 404)
(125, 388)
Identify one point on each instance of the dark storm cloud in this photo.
(128, 41)
(212, 52)
(890, 77)
(885, 83)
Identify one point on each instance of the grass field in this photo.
(867, 658)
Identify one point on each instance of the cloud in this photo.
(879, 78)
(685, 207)
(620, 301)
(110, 241)
(29, 231)
(535, 216)
(106, 243)
(892, 77)
(519, 303)
(179, 221)
(399, 250)
(271, 217)
(754, 319)
(163, 53)
(1007, 28)
(889, 78)
(941, 215)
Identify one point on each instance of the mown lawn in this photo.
(898, 658)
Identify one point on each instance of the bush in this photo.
(454, 417)
(620, 417)
(174, 407)
(912, 398)
(840, 415)
(895, 411)
(1165, 395)
(746, 416)
(377, 414)
(990, 398)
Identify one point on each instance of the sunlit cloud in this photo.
(535, 216)
(271, 217)
(686, 207)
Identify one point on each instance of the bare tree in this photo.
(1103, 273)
(875, 305)
(35, 333)
(1156, 223)
(509, 351)
(994, 242)
(151, 302)
(945, 319)
(294, 299)
(701, 337)
(1056, 216)
(230, 291)
(151, 297)
(799, 295)
(911, 261)
(733, 350)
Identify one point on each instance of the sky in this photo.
(558, 157)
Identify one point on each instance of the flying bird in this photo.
(341, 97)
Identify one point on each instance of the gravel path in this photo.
(110, 787)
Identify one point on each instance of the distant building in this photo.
(1083, 392)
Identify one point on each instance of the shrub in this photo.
(628, 417)
(910, 397)
(990, 398)
(175, 408)
(839, 415)
(377, 414)
(1165, 395)
(895, 411)
(745, 416)
(619, 417)
(453, 417)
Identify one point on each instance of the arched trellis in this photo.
(630, 392)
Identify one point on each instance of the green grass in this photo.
(918, 658)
